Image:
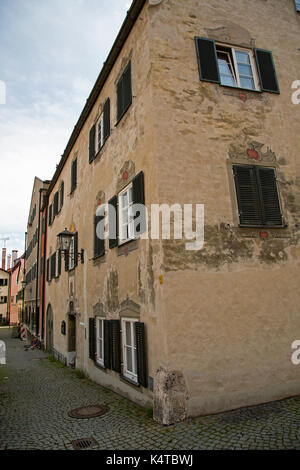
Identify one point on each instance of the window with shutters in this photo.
(124, 92)
(72, 254)
(50, 215)
(55, 204)
(248, 69)
(257, 196)
(58, 263)
(100, 341)
(129, 349)
(126, 219)
(61, 196)
(237, 67)
(74, 175)
(52, 265)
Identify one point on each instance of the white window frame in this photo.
(126, 221)
(99, 142)
(57, 264)
(130, 374)
(72, 254)
(99, 360)
(236, 77)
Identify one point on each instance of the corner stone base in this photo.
(170, 397)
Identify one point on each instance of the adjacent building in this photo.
(4, 295)
(192, 106)
(33, 262)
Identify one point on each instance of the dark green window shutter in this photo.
(92, 144)
(61, 203)
(124, 92)
(59, 261)
(99, 243)
(120, 106)
(266, 71)
(113, 222)
(127, 93)
(141, 353)
(55, 204)
(74, 175)
(52, 265)
(92, 339)
(138, 197)
(207, 60)
(67, 258)
(106, 119)
(50, 215)
(75, 248)
(270, 204)
(47, 270)
(107, 335)
(247, 195)
(115, 345)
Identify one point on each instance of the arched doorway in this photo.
(49, 329)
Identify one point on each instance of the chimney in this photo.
(3, 258)
(14, 257)
(8, 261)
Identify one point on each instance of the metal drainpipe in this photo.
(44, 273)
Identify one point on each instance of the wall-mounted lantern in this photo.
(65, 239)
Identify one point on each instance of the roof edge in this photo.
(128, 23)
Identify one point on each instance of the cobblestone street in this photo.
(37, 393)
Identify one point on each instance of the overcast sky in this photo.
(51, 52)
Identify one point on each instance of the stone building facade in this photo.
(4, 295)
(192, 106)
(33, 263)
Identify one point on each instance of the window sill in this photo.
(130, 381)
(263, 227)
(123, 114)
(128, 246)
(239, 88)
(100, 366)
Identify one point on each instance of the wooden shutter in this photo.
(266, 71)
(59, 261)
(47, 270)
(271, 212)
(75, 249)
(247, 195)
(141, 353)
(127, 93)
(113, 222)
(73, 175)
(106, 120)
(120, 106)
(107, 335)
(55, 204)
(50, 215)
(99, 243)
(67, 255)
(207, 60)
(92, 339)
(92, 144)
(61, 203)
(115, 345)
(138, 197)
(52, 265)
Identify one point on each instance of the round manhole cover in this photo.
(90, 411)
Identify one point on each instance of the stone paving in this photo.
(37, 393)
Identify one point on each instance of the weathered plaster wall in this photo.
(123, 274)
(232, 309)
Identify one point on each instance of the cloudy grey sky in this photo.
(51, 52)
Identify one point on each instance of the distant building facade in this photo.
(4, 295)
